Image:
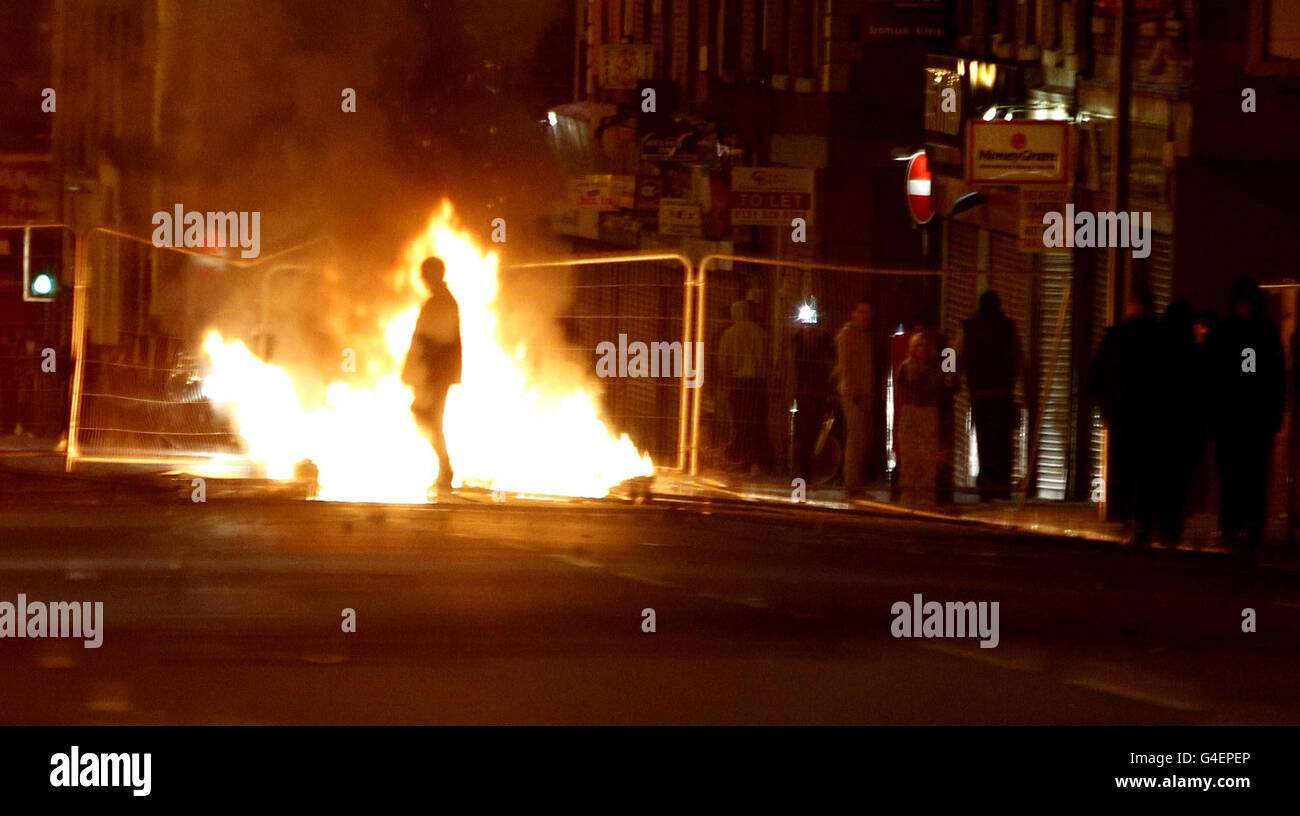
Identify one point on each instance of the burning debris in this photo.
(511, 425)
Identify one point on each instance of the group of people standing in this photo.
(925, 382)
(1170, 388)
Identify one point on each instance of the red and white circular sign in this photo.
(918, 189)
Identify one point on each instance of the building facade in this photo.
(1212, 87)
(843, 89)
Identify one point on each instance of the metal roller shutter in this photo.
(1100, 321)
(1160, 270)
(959, 304)
(1057, 429)
(1007, 277)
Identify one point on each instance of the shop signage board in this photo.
(1017, 152)
(771, 196)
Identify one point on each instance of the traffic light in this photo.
(41, 285)
(40, 265)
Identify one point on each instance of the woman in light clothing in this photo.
(918, 394)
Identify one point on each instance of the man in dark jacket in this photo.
(991, 357)
(434, 361)
(1123, 384)
(1250, 370)
(1182, 403)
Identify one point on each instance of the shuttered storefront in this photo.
(1056, 432)
(1100, 319)
(1160, 270)
(1016, 289)
(1033, 301)
(959, 304)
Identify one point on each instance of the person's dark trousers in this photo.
(1172, 486)
(807, 425)
(431, 419)
(1148, 489)
(995, 423)
(1124, 454)
(749, 411)
(1243, 481)
(1176, 473)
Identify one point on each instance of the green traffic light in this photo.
(43, 285)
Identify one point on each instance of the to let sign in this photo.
(768, 196)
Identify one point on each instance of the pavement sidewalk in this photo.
(25, 474)
(1060, 518)
(1076, 519)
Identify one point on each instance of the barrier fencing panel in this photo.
(747, 415)
(36, 265)
(762, 377)
(139, 317)
(619, 304)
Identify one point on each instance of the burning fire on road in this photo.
(511, 425)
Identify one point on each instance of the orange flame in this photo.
(509, 427)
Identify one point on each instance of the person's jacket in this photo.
(990, 355)
(857, 360)
(1125, 376)
(435, 355)
(1249, 399)
(741, 347)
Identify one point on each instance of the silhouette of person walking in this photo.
(1251, 372)
(1125, 384)
(992, 359)
(1183, 412)
(433, 363)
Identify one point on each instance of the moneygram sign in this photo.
(1017, 152)
(771, 195)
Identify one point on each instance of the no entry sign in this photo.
(918, 189)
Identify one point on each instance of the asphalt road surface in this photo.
(231, 611)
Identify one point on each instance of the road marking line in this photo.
(752, 603)
(110, 698)
(1133, 694)
(980, 656)
(646, 580)
(575, 560)
(56, 661)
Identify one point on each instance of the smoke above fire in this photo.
(449, 98)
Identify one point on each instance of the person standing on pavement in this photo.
(992, 359)
(918, 393)
(1124, 384)
(1183, 406)
(741, 358)
(1250, 370)
(433, 363)
(857, 363)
